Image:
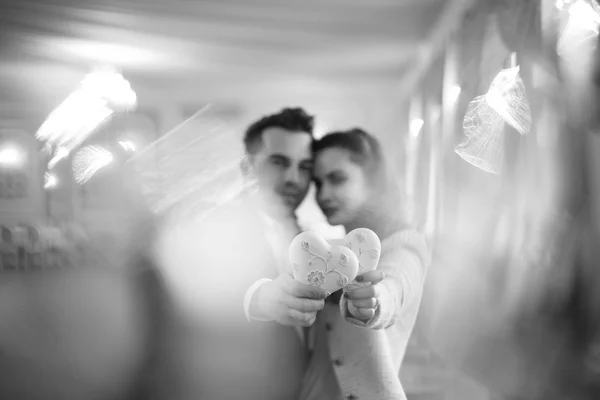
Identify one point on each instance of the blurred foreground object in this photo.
(91, 326)
(514, 300)
(193, 168)
(76, 334)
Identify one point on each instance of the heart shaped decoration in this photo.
(367, 247)
(316, 262)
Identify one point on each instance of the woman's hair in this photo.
(364, 149)
(366, 152)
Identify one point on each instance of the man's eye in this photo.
(277, 162)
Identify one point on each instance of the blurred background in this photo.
(485, 108)
(350, 63)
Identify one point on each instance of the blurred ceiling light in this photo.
(90, 160)
(577, 42)
(112, 87)
(415, 126)
(97, 98)
(50, 180)
(93, 51)
(583, 14)
(454, 93)
(74, 120)
(128, 145)
(12, 156)
(59, 154)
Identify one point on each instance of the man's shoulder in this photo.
(233, 236)
(236, 220)
(238, 212)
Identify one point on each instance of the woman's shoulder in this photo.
(406, 240)
(407, 236)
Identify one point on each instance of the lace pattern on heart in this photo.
(317, 277)
(373, 253)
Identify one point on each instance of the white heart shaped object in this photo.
(367, 247)
(316, 262)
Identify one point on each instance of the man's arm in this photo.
(283, 300)
(250, 293)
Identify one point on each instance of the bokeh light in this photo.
(12, 156)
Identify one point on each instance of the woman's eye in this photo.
(338, 180)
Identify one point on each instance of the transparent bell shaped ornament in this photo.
(88, 161)
(193, 168)
(507, 97)
(484, 129)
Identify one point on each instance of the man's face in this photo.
(283, 166)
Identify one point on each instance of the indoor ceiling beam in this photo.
(447, 24)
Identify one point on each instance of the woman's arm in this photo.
(404, 261)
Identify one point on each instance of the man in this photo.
(225, 356)
(280, 159)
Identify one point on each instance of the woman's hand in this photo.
(363, 302)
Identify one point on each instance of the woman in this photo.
(357, 352)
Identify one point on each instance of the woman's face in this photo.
(342, 188)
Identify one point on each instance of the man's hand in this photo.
(288, 302)
(363, 302)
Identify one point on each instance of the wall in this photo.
(21, 195)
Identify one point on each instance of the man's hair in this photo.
(290, 119)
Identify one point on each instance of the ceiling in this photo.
(195, 50)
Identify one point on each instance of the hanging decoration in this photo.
(90, 160)
(485, 119)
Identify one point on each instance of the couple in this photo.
(294, 342)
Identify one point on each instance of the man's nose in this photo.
(292, 175)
